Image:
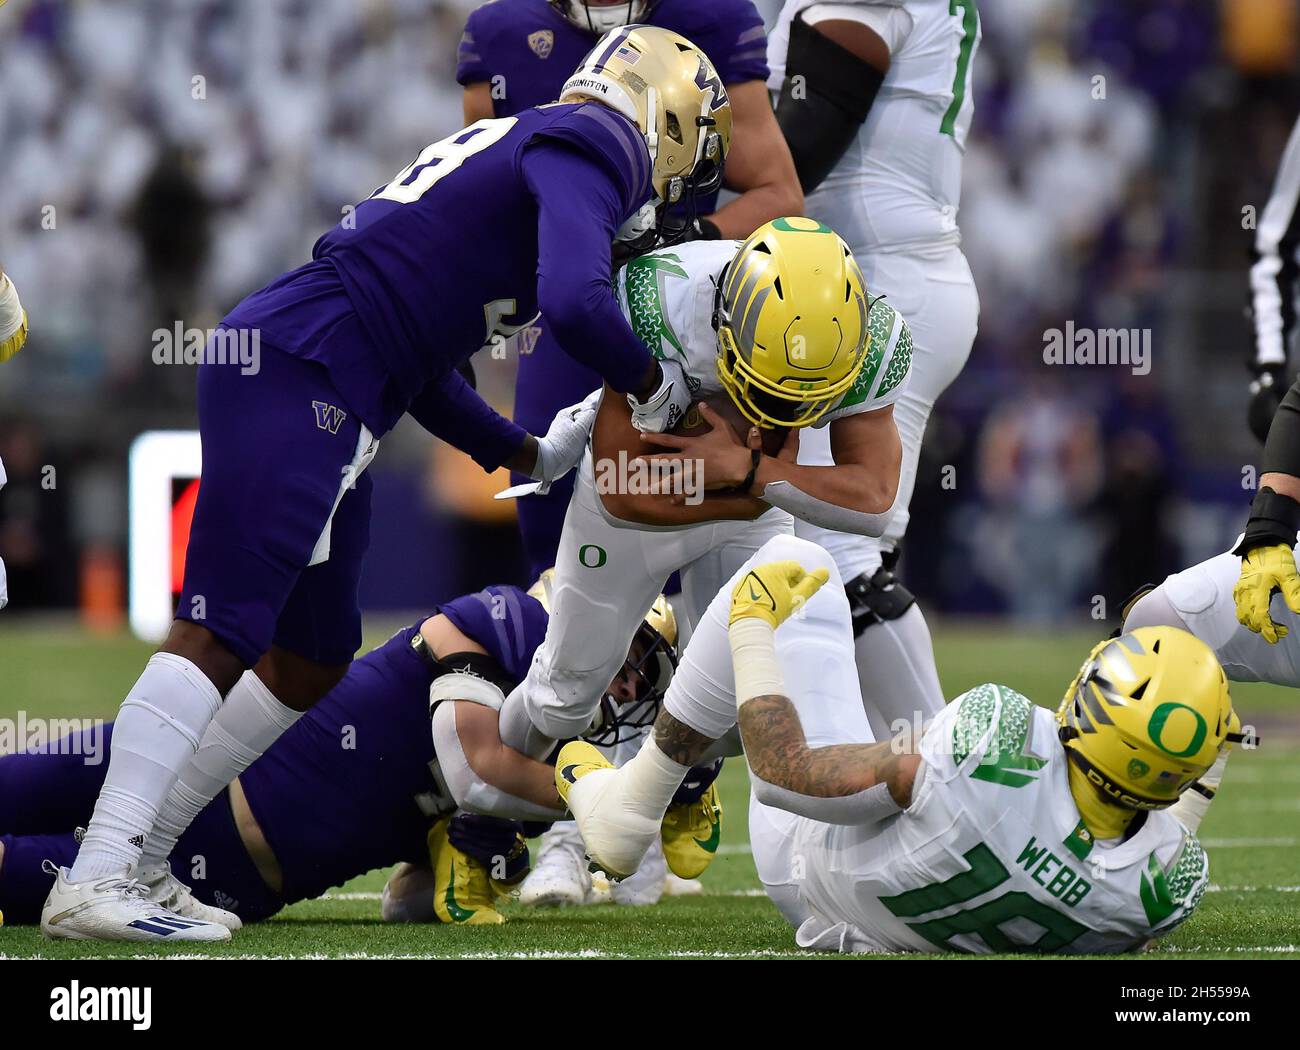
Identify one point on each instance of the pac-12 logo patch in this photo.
(542, 42)
(329, 417)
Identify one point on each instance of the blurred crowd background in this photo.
(163, 158)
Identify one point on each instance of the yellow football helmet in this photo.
(652, 661)
(792, 327)
(1147, 715)
(668, 87)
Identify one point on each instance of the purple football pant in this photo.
(275, 448)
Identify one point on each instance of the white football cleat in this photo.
(167, 891)
(676, 886)
(116, 909)
(645, 885)
(559, 877)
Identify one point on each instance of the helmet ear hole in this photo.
(1138, 693)
(776, 286)
(674, 128)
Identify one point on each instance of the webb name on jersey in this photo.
(992, 856)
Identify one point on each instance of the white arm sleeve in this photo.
(471, 791)
(827, 515)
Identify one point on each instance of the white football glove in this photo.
(13, 320)
(565, 441)
(667, 406)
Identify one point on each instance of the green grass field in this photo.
(1252, 833)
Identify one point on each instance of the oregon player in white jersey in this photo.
(1004, 829)
(738, 319)
(875, 100)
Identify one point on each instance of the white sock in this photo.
(649, 781)
(896, 674)
(157, 731)
(1191, 807)
(249, 722)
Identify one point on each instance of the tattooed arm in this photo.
(839, 784)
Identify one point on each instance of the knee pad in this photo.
(788, 547)
(877, 599)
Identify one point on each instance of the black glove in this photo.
(1266, 391)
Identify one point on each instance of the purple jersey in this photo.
(481, 231)
(527, 49)
(351, 786)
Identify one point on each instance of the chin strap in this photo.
(1104, 819)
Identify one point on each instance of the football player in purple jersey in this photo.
(516, 54)
(468, 242)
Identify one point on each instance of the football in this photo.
(695, 424)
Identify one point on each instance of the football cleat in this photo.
(645, 885)
(691, 832)
(116, 909)
(560, 877)
(167, 891)
(678, 887)
(616, 836)
(462, 886)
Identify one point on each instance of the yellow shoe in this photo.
(462, 887)
(691, 833)
(616, 836)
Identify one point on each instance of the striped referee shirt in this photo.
(1273, 276)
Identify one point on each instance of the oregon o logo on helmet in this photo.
(1160, 718)
(592, 560)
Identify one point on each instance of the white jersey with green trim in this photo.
(992, 856)
(899, 182)
(668, 297)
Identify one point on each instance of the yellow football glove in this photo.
(1263, 571)
(776, 591)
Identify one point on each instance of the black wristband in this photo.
(744, 486)
(1274, 518)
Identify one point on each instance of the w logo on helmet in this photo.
(708, 80)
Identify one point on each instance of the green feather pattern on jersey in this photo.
(643, 292)
(881, 325)
(1004, 761)
(1181, 888)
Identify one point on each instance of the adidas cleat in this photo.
(116, 909)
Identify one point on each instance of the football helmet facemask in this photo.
(602, 19)
(650, 665)
(668, 87)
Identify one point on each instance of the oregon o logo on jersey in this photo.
(1160, 722)
(592, 556)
